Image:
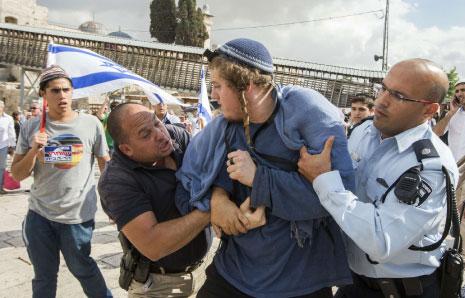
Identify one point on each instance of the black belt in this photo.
(411, 285)
(155, 268)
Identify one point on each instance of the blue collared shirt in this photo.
(384, 231)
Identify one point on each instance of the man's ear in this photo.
(249, 86)
(125, 149)
(432, 109)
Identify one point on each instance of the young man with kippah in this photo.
(63, 200)
(246, 161)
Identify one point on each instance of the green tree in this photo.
(453, 77)
(190, 30)
(163, 20)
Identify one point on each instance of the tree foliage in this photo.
(453, 77)
(189, 28)
(163, 20)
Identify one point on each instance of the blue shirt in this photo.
(299, 250)
(384, 231)
(267, 261)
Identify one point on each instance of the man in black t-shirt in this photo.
(137, 191)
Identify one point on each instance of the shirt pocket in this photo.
(374, 189)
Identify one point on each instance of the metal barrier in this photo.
(176, 67)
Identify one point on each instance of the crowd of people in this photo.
(302, 203)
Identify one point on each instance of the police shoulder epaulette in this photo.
(424, 149)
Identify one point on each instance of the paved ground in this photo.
(15, 269)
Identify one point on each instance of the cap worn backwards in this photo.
(53, 72)
(245, 51)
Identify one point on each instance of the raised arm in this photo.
(441, 127)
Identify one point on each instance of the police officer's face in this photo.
(392, 115)
(148, 141)
(227, 97)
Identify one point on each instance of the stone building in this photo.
(23, 12)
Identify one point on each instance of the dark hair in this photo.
(365, 100)
(115, 123)
(114, 104)
(44, 85)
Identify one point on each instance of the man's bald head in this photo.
(116, 120)
(427, 75)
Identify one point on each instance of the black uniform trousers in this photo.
(364, 287)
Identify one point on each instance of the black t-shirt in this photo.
(127, 189)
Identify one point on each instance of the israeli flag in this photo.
(94, 74)
(203, 108)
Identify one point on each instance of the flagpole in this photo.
(203, 107)
(44, 116)
(50, 61)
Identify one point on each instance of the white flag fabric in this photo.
(94, 74)
(203, 107)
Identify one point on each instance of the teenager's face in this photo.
(227, 97)
(58, 94)
(359, 111)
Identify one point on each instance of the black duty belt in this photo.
(155, 268)
(390, 286)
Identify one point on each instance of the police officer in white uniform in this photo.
(388, 216)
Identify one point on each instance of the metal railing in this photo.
(176, 67)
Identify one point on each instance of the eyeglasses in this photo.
(33, 108)
(59, 90)
(397, 95)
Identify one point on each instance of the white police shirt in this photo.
(384, 231)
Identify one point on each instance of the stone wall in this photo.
(9, 93)
(25, 12)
